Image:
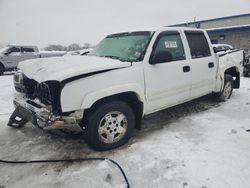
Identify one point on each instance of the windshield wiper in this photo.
(116, 57)
(112, 57)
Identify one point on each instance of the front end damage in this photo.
(39, 103)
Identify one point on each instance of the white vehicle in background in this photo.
(246, 71)
(127, 76)
(45, 54)
(222, 47)
(11, 55)
(79, 52)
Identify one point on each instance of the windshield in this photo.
(123, 46)
(4, 49)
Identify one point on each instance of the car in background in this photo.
(11, 55)
(44, 53)
(222, 47)
(246, 71)
(79, 52)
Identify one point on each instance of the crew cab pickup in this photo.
(127, 76)
(11, 55)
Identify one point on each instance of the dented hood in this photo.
(61, 68)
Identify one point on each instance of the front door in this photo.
(168, 81)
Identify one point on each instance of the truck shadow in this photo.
(163, 118)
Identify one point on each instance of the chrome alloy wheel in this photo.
(227, 90)
(112, 127)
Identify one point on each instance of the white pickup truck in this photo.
(127, 76)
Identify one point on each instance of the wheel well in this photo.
(129, 97)
(235, 74)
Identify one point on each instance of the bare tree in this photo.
(73, 47)
(86, 45)
(55, 47)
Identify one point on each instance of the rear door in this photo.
(203, 63)
(168, 82)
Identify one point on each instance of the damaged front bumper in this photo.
(27, 110)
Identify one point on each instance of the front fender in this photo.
(91, 98)
(83, 93)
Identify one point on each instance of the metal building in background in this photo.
(233, 30)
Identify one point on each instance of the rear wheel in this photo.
(226, 93)
(109, 125)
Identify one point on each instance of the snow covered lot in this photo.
(198, 144)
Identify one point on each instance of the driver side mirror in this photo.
(161, 57)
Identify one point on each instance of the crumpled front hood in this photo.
(61, 68)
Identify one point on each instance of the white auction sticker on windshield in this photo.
(170, 44)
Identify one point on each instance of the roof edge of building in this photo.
(213, 19)
(238, 28)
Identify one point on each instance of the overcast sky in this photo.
(43, 22)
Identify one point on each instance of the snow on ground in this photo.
(200, 144)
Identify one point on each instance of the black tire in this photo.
(1, 70)
(101, 125)
(227, 91)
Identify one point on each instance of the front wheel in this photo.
(109, 125)
(227, 91)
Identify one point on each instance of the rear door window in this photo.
(198, 44)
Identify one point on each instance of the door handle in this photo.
(210, 65)
(186, 68)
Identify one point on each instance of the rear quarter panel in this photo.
(231, 59)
